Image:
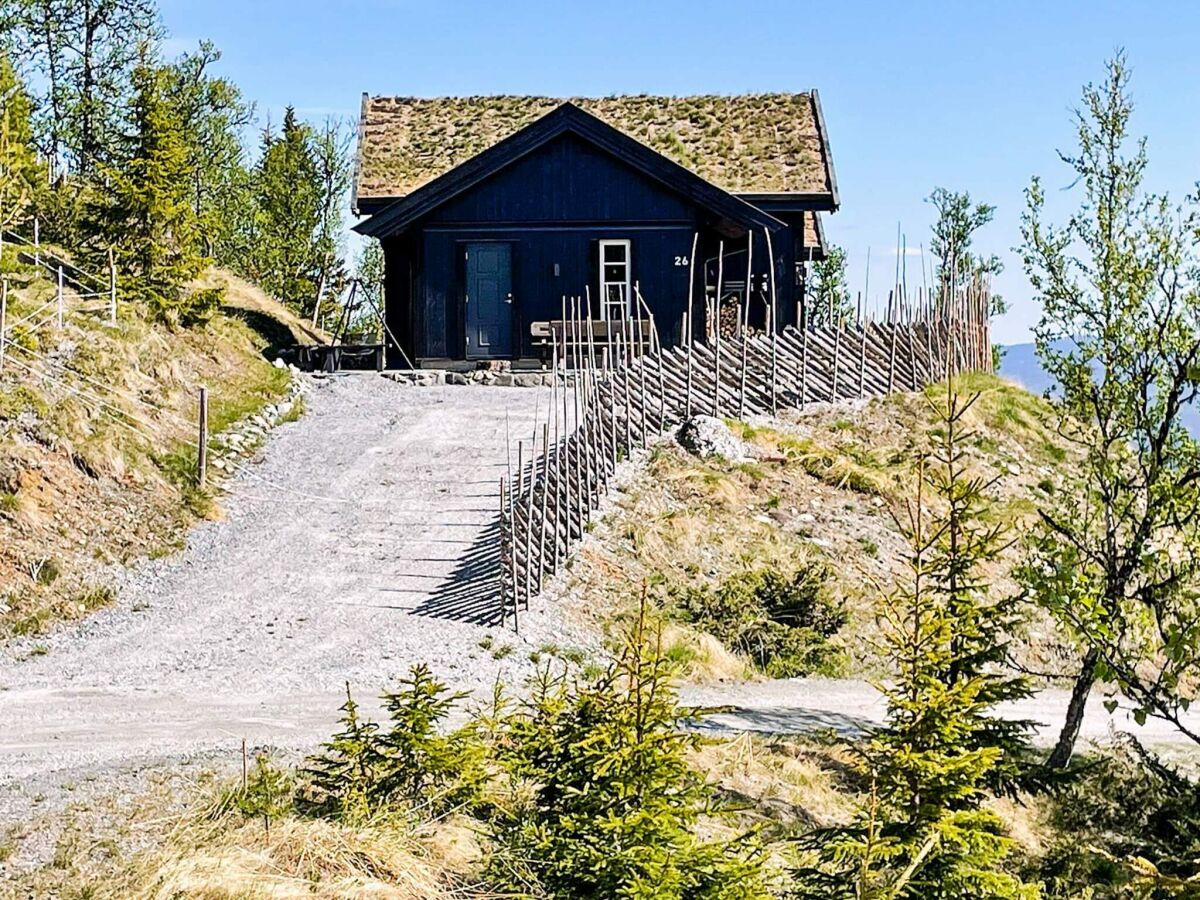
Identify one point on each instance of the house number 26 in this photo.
(681, 260)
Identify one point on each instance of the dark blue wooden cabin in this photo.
(569, 205)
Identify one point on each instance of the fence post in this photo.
(3, 320)
(58, 297)
(202, 449)
(37, 243)
(112, 288)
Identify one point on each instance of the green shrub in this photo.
(607, 802)
(267, 794)
(341, 782)
(411, 765)
(1129, 826)
(782, 623)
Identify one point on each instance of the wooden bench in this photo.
(603, 335)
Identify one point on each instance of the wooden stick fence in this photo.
(601, 412)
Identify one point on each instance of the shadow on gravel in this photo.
(782, 720)
(471, 592)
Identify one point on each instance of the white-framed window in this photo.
(614, 279)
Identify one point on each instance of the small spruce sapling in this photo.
(268, 792)
(923, 832)
(418, 764)
(610, 802)
(342, 780)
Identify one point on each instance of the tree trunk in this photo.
(1075, 709)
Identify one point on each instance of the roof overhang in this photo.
(734, 214)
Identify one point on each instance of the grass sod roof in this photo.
(750, 143)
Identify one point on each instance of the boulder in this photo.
(707, 436)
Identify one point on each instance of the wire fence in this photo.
(633, 391)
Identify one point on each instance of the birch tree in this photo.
(1117, 555)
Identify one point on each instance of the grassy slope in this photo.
(95, 423)
(684, 521)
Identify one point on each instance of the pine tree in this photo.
(924, 833)
(147, 216)
(342, 780)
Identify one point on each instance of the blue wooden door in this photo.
(489, 300)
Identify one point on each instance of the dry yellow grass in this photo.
(686, 522)
(230, 858)
(94, 425)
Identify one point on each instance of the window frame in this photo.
(627, 284)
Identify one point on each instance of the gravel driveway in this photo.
(361, 541)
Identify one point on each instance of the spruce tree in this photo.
(418, 765)
(925, 834)
(288, 189)
(612, 803)
(146, 215)
(343, 779)
(21, 176)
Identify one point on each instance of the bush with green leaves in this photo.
(781, 622)
(413, 764)
(607, 803)
(268, 792)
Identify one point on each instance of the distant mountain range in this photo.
(1019, 363)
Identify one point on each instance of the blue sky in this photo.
(967, 95)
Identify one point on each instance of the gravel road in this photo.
(360, 541)
(850, 708)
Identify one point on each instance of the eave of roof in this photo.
(567, 118)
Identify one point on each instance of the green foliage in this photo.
(1116, 555)
(85, 54)
(924, 833)
(828, 302)
(212, 115)
(147, 214)
(607, 802)
(418, 764)
(782, 623)
(367, 323)
(288, 196)
(957, 266)
(342, 780)
(268, 792)
(1129, 826)
(412, 765)
(21, 176)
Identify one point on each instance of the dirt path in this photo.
(362, 541)
(805, 706)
